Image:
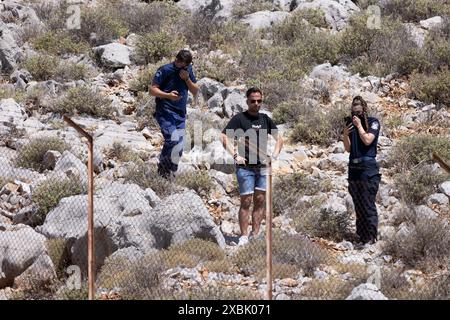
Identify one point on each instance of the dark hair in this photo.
(252, 90)
(358, 100)
(184, 56)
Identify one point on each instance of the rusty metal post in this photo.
(269, 229)
(91, 256)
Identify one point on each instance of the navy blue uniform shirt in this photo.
(357, 147)
(168, 79)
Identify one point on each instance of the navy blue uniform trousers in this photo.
(173, 130)
(363, 182)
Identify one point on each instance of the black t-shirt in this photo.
(357, 147)
(251, 133)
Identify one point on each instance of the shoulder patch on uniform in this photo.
(375, 125)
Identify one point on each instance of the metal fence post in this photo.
(91, 256)
(269, 229)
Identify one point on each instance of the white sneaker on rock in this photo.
(243, 240)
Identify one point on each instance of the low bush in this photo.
(31, 155)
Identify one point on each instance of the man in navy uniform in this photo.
(360, 139)
(170, 86)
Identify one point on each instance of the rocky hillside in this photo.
(158, 239)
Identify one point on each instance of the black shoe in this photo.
(164, 173)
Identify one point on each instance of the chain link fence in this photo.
(175, 238)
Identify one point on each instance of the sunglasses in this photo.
(253, 101)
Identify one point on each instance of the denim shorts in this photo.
(251, 179)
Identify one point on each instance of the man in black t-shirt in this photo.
(250, 129)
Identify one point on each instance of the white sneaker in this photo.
(243, 240)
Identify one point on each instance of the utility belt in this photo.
(251, 166)
(362, 160)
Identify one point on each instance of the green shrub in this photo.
(73, 71)
(199, 181)
(83, 100)
(203, 250)
(32, 154)
(139, 279)
(59, 43)
(433, 88)
(293, 250)
(42, 67)
(426, 246)
(244, 7)
(379, 51)
(145, 109)
(288, 112)
(316, 17)
(123, 153)
(323, 223)
(321, 128)
(413, 150)
(218, 68)
(155, 46)
(211, 292)
(145, 77)
(289, 188)
(420, 182)
(101, 24)
(146, 176)
(203, 32)
(221, 266)
(416, 10)
(57, 251)
(74, 294)
(49, 192)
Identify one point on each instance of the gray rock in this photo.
(264, 19)
(180, 217)
(282, 296)
(218, 8)
(336, 13)
(27, 215)
(175, 219)
(345, 245)
(328, 73)
(114, 55)
(321, 275)
(9, 172)
(51, 157)
(21, 78)
(339, 147)
(10, 53)
(423, 212)
(336, 161)
(225, 180)
(215, 104)
(438, 198)
(431, 23)
(445, 188)
(11, 112)
(227, 227)
(218, 158)
(403, 231)
(209, 87)
(72, 167)
(233, 104)
(152, 197)
(366, 291)
(21, 248)
(418, 35)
